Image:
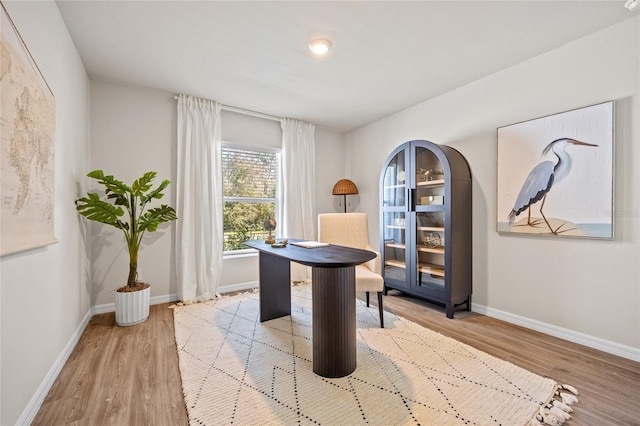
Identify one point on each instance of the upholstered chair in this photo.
(351, 230)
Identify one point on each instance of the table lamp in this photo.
(344, 187)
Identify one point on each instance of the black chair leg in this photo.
(367, 299)
(380, 309)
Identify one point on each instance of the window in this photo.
(251, 188)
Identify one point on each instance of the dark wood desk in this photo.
(333, 293)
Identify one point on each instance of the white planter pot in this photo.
(132, 307)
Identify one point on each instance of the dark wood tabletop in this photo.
(331, 256)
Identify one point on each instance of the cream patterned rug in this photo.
(236, 370)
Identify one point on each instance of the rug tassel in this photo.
(563, 406)
(557, 410)
(545, 416)
(567, 393)
(569, 388)
(568, 398)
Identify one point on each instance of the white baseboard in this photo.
(168, 298)
(238, 287)
(37, 399)
(608, 346)
(155, 300)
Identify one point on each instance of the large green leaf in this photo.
(154, 217)
(156, 193)
(119, 200)
(142, 184)
(110, 183)
(92, 207)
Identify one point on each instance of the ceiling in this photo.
(386, 56)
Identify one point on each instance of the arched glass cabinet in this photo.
(425, 229)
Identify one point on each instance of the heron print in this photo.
(555, 174)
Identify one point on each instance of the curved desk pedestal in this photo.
(334, 321)
(333, 294)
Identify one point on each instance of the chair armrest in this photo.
(374, 264)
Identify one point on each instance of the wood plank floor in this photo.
(129, 375)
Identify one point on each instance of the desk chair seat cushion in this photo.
(368, 280)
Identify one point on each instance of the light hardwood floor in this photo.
(129, 375)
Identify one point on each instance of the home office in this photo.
(583, 291)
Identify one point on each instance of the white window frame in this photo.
(249, 252)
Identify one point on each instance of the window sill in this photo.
(237, 254)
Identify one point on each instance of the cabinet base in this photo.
(450, 306)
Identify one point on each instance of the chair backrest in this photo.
(344, 229)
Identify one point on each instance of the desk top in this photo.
(331, 256)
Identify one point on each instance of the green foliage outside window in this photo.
(250, 180)
(244, 221)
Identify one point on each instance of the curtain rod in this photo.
(247, 112)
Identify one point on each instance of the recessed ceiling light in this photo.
(320, 46)
(631, 4)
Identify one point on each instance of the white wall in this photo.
(45, 293)
(587, 290)
(133, 130)
(330, 168)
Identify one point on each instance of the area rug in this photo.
(236, 370)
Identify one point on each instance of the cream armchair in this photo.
(352, 230)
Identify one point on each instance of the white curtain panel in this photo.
(298, 159)
(199, 228)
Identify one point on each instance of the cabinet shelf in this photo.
(428, 268)
(395, 245)
(425, 268)
(396, 263)
(419, 228)
(396, 226)
(436, 250)
(439, 182)
(431, 228)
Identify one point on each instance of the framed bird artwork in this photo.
(555, 174)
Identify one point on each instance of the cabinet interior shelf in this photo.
(436, 250)
(395, 245)
(425, 268)
(438, 182)
(428, 268)
(431, 228)
(420, 228)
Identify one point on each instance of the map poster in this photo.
(27, 133)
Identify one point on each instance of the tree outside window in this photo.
(251, 178)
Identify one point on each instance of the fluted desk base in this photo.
(334, 321)
(333, 293)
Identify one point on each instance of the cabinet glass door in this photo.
(394, 219)
(429, 175)
(395, 183)
(395, 244)
(430, 248)
(429, 227)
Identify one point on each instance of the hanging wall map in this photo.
(27, 131)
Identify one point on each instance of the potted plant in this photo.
(132, 300)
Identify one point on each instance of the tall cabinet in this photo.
(425, 229)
